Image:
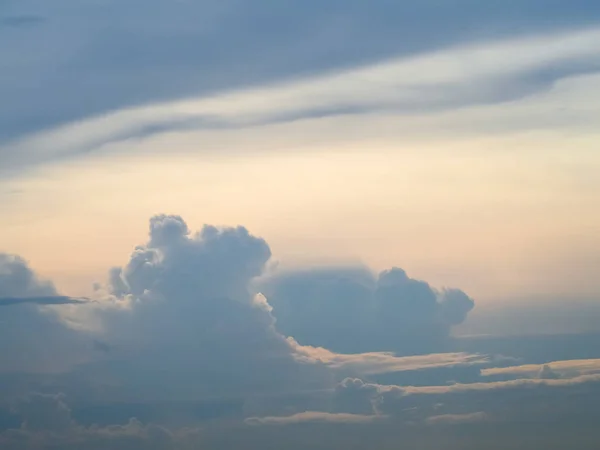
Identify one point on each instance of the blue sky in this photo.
(282, 224)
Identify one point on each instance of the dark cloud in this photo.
(203, 47)
(47, 300)
(351, 311)
(47, 422)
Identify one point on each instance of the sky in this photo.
(299, 224)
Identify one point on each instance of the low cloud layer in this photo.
(522, 399)
(47, 422)
(178, 349)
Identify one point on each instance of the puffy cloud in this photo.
(213, 263)
(178, 322)
(18, 280)
(185, 325)
(355, 396)
(350, 310)
(454, 306)
(180, 327)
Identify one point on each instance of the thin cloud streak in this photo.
(45, 300)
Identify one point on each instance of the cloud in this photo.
(178, 337)
(312, 416)
(523, 399)
(500, 385)
(352, 395)
(349, 310)
(556, 369)
(17, 279)
(47, 422)
(447, 79)
(457, 419)
(250, 44)
(365, 364)
(182, 324)
(32, 335)
(182, 314)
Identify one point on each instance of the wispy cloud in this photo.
(560, 369)
(364, 364)
(313, 416)
(206, 46)
(452, 78)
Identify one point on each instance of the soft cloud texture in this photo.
(352, 311)
(183, 319)
(522, 399)
(556, 369)
(365, 364)
(47, 422)
(32, 336)
(410, 88)
(207, 46)
(312, 416)
(178, 350)
(18, 280)
(457, 138)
